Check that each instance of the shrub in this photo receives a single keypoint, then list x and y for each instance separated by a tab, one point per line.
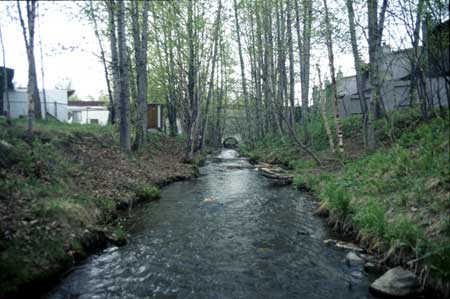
404	231
370	218
147	193
338	199
253	157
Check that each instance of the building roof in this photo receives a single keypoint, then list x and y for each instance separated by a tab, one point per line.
86	103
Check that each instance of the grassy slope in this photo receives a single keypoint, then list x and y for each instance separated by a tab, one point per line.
396	199
60	191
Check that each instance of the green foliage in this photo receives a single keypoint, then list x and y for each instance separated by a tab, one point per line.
253	157
145	193
370	218
338	199
405	232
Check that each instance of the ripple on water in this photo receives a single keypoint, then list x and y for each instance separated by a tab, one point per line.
251	241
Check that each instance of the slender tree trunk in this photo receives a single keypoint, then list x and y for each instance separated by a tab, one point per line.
357	62
291	65
323	110
241	60
111	117
191	115
171	85
211	79
337	117
5	83
140	38
44	94
305	63
34	107
125	135
373	73
112	7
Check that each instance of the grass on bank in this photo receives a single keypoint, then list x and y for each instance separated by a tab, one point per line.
46	218
397	198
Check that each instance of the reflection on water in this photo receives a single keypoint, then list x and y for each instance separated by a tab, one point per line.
227	234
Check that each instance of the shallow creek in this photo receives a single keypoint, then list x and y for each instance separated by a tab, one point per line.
227	234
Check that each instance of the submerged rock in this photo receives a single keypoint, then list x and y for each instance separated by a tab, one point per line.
354	260
397	282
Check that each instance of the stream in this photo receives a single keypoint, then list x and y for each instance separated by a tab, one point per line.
227	234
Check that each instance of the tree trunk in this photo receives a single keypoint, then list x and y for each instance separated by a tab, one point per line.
211	79
291	65
34	106
44	95
140	38
323	105
114	60
111	117
373	73
125	135
241	60
191	114
5	84
337	117
357	62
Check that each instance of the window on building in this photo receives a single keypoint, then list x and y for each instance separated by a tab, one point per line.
93	121
76	116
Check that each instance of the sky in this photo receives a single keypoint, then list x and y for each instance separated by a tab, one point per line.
69	48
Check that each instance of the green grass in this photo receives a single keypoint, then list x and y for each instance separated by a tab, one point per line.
397	196
145	193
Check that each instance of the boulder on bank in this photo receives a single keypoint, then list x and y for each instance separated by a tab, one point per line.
395	283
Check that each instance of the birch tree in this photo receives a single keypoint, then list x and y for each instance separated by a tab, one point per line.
329	42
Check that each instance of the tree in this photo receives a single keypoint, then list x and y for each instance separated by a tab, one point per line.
358	70
304	48
124	81
291	66
375	33
92	15
140	39
323	104
241	61
329	42
34	105
111	7
5	82
211	80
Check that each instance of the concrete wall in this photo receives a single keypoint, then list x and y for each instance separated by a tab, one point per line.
395	94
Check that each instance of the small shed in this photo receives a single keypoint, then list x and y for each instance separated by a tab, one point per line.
155	116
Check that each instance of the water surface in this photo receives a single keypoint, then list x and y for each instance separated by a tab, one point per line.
227	234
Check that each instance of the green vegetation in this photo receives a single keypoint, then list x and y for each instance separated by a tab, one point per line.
60	191
397	198
146	193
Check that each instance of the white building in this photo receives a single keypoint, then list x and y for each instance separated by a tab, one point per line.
88	112
56	103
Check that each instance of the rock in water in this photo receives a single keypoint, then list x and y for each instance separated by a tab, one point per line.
354	260
397	282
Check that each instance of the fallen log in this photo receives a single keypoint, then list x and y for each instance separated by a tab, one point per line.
278	174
